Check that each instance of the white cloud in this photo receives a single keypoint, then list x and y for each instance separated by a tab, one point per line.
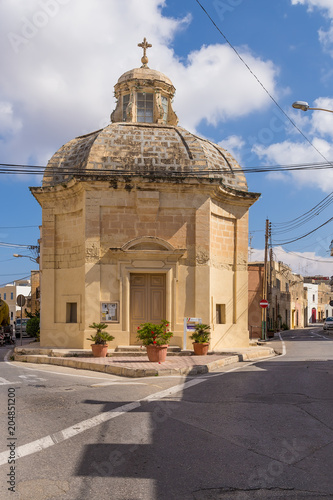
9	124
318	127
320	4
234	145
63	57
325	37
304	263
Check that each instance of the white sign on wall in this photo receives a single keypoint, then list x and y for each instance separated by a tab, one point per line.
189	327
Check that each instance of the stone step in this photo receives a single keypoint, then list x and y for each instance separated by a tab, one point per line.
138	348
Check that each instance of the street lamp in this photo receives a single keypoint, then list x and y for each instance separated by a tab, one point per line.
304	106
27	256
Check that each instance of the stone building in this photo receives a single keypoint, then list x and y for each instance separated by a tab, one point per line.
285	294
143	221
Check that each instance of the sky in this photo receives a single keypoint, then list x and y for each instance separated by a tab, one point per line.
237	69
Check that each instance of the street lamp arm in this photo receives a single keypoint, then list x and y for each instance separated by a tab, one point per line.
322	109
27	257
304	106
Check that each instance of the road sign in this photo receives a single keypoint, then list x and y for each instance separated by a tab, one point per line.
20	300
263	303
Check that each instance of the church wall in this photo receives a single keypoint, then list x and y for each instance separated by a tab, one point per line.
85	240
229	285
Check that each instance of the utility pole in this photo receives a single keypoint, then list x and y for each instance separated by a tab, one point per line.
264	285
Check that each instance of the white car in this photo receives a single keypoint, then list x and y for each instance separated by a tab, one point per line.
328	323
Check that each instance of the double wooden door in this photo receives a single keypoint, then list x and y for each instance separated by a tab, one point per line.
147	300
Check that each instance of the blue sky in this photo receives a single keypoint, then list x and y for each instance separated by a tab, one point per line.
61	58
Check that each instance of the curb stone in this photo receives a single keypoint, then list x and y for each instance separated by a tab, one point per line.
141	372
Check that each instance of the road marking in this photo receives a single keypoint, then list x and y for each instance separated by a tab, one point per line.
284	350
4	381
32	378
117	382
74	430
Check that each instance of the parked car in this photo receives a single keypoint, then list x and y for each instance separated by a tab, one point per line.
328	323
18	327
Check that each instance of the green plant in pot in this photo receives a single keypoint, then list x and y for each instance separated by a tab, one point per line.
100	340
201	337
155	338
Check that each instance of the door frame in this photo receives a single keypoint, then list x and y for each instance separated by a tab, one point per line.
170	291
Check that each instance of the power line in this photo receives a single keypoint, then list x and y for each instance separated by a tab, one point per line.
304	235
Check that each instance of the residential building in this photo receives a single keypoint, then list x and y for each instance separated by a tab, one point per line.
9	294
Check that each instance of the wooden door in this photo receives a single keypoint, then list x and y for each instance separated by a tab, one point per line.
147	301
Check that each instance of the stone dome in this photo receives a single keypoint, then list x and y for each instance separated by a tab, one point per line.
144	140
144	73
144	150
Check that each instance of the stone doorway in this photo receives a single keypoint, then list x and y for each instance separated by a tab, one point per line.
147	300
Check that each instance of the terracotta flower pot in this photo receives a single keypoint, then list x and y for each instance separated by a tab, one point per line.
157	353
99	350
200	349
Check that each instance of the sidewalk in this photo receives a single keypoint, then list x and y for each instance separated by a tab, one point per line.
137	364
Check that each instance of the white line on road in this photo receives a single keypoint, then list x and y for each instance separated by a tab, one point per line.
4	381
284	350
58	437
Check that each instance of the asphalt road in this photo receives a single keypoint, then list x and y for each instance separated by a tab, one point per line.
261	430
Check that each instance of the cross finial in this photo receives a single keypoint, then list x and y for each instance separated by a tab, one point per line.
145	45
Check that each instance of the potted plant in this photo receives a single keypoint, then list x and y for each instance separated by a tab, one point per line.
155	338
201	336
100	339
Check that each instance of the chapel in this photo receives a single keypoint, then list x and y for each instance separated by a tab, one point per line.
143	221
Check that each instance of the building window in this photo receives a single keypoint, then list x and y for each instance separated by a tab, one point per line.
278	284
313	298
4	296
11	295
145	106
11	315
220	314
71	312
126	98
165	105
287	287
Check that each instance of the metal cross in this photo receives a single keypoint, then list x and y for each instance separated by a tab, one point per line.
145	45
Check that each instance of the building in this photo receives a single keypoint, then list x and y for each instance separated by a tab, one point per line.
35	292
9	294
143	221
285	294
312	298
324	297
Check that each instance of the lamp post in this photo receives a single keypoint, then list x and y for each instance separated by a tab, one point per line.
304	106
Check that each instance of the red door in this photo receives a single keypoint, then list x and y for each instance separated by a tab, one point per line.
314	315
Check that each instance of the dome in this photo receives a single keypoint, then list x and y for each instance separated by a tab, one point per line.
143	150
144	74
144	140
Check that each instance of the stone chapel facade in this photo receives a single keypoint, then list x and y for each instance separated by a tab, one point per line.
143	221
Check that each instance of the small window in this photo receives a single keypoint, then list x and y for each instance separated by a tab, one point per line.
165	108
313	298
145	105
278	284
220	314
4	296
11	315
71	312
125	104
11	295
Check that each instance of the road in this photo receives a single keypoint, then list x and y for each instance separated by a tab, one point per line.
260	430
